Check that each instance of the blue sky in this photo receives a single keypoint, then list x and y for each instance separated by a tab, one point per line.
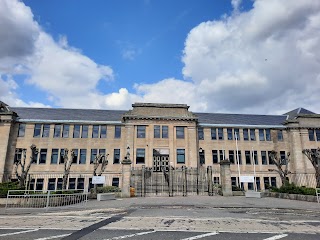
216	56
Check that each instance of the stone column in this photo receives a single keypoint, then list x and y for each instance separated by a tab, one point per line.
170	182
225	175
143	180
126	175
184	180
210	184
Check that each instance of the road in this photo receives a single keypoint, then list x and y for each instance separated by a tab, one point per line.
169	218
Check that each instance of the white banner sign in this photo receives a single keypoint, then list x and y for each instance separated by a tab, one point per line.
246	178
98	179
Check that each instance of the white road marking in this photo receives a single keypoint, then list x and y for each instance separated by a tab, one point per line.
15	233
53	237
201	236
277	237
130	235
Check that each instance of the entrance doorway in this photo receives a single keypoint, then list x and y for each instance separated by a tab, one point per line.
161	160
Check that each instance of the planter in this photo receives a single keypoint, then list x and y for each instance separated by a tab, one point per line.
299	197
238	193
254	194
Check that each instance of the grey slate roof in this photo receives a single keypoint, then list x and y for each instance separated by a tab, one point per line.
116	115
292	114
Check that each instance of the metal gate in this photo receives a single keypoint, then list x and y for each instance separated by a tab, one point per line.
173	181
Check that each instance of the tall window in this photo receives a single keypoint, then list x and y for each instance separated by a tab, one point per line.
103	131
72	183
57	131
156	131
222	154
54	156
230	135
311	135
115	182
280	136
61	156
75	156
83	156
80	183
252	134
18	155
220	133
180	132
248	157
273	181
318	134
268	134
65	133
264	158
95	131
283	157
245	134
181	157
37	130
165	132
84	133
215	158
46	130
239	156
76	131
202	157
51	184
255	155
43	156
269	157
236	133
116	156
22	128
117	131
39	184
102	151
200	133
261	135
231	156
213	134
140	159
93	155
141	131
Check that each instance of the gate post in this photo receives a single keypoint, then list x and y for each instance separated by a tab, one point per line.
225	175
143	180
184	181
210	185
126	175
170	182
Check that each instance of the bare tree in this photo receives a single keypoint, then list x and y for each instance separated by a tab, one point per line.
314	156
24	167
101	159
67	166
282	166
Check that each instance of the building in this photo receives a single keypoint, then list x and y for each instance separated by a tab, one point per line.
156	136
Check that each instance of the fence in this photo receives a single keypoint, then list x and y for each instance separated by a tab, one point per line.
48	199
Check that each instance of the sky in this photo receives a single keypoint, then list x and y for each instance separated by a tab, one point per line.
231	56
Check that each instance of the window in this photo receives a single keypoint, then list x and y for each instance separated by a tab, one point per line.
180	132
59	183
268	134
220	133
76	131
311	135
202	157
84	133
231	156
264	157
215	159
252	134
239	156
233	181
280	136
103	131
200	133
102	151
18	155
65	133
62	156
258	183
283	157
216	180
273	181
318	134
51	184
156	131
46	130
229	131
181	157
261	134
250	185
140	159
213	134
72	183
32	184
22	128
117	131
75	156
221	153
43	156
57	131
115	182
116	156
245	134
236	133
37	130
93	155
39	184
83	156
95	131
165	132
255	155
248	157
269	157
141	131
54	156
80	183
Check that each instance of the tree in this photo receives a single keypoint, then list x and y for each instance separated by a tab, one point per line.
282	166
67	167
314	156
24	167
100	159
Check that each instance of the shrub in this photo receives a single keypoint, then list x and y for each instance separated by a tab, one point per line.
291	188
6	186
236	188
106	189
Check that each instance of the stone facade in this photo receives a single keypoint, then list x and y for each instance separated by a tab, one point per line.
168	135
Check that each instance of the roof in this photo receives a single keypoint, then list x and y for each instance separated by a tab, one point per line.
294	113
92	115
240	119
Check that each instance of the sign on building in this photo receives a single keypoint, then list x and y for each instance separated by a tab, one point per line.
98	179
246	178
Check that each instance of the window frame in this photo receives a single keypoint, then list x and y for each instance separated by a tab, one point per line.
140	156
180	132
21	129
181	156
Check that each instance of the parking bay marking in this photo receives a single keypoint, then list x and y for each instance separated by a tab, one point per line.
277	237
201	236
15	233
130	235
